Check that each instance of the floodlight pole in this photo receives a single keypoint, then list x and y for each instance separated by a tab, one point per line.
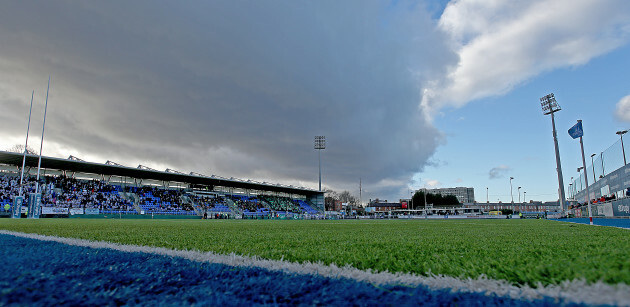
550	106
320	143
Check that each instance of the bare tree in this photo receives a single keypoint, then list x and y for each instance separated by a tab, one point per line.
20	149
344	197
329	199
347	197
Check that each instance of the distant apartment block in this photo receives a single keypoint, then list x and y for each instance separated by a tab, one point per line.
464	195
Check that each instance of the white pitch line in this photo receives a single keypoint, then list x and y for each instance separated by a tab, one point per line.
577	291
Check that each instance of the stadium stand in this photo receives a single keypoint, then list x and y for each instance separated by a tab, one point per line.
305	206
251	207
64	192
67	192
282	204
156	200
211	205
96	188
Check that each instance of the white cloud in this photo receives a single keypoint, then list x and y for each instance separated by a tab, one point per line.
504	43
432	183
623	109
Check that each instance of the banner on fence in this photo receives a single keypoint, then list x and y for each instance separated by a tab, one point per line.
621	207
74	211
605	210
16	209
54	210
91	211
34	205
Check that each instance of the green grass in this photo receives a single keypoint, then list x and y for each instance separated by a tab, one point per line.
520	251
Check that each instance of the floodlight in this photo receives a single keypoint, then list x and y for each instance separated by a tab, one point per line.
549	106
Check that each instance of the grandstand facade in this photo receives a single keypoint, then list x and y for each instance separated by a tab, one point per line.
72	186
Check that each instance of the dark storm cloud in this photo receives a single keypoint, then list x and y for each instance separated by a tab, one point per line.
235	88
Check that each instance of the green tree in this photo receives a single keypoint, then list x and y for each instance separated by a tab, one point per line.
436	199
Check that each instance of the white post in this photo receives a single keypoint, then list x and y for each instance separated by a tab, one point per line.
28	127
35	204
41	146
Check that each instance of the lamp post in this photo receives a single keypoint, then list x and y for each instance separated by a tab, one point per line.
550	106
623	151
426	213
519	194
593	164
425	199
511	194
601	157
579	170
487	196
570	190
320	143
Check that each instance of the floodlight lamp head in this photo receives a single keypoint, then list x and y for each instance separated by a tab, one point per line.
593	155
622	132
549	104
580	168
320	142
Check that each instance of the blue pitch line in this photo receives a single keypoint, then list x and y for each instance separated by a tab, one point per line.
621	223
37	273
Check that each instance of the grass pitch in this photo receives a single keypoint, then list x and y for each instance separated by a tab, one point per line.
519	251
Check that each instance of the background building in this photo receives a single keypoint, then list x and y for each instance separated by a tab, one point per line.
463	194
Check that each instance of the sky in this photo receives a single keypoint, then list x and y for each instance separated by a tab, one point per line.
409	94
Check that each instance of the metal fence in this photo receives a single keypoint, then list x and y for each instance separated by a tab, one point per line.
607	175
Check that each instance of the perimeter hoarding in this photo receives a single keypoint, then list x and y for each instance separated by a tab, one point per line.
34	205
16	210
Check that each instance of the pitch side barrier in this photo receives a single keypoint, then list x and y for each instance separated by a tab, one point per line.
616	182
618	208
